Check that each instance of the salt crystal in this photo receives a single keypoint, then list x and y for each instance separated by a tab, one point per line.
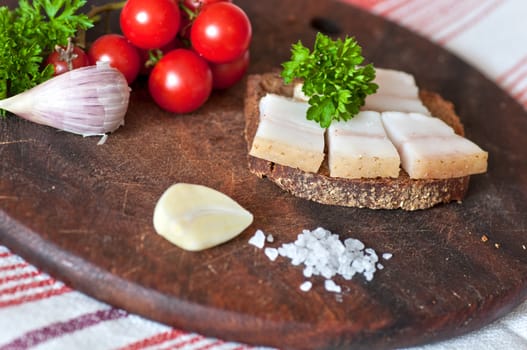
308	271
353	244
272	253
332	286
358	265
327	272
258	240
322	253
270	238
300	240
368	275
306	286
320	233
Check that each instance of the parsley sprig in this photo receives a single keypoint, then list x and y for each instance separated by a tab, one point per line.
333	78
29	33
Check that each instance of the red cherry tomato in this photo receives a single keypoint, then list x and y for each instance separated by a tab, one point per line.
147	64
79	59
225	75
221	32
119	53
195	5
150	24
181	81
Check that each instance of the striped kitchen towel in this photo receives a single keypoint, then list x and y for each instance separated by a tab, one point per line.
37	311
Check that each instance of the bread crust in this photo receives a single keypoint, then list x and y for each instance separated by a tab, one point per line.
373	193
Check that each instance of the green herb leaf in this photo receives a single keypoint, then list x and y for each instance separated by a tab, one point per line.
28	34
334	79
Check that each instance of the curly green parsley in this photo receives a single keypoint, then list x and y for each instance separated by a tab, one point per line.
334	79
29	33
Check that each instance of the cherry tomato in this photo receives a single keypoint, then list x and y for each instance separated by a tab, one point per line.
181	81
150	24
221	32
225	75
147	63
119	53
195	5
59	60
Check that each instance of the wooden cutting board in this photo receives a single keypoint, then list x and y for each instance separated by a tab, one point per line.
83	212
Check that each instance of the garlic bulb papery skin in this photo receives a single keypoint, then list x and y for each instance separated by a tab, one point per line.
87	101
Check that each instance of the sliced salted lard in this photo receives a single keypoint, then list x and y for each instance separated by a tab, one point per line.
286	137
430	149
385	103
360	148
396	83
397	92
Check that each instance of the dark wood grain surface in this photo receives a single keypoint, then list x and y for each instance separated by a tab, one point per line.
83	212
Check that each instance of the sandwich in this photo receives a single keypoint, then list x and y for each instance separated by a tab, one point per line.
403	149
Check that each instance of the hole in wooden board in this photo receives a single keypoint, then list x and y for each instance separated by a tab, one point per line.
325	26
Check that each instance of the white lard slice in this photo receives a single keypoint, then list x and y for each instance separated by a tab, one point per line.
385	103
360	148
430	149
397	92
298	94
284	135
396	83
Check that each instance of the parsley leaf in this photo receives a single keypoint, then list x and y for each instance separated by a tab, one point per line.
334	81
28	34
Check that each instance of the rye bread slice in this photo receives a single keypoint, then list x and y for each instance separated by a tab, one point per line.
374	193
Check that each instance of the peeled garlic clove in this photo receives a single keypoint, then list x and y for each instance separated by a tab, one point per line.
196	217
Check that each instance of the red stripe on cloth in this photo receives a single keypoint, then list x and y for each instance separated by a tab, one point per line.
511	85
58	329
193	340
449	17
421	15
406	11
521	95
365	4
214	343
503	76
518	77
6	254
27	286
211	345
34	297
393	7
243	347
19	277
484	12
13	267
154	340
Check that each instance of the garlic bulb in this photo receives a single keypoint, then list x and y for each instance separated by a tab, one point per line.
87	101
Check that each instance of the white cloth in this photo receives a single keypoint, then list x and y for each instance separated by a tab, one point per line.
39	312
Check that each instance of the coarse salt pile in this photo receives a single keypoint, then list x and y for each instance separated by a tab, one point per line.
323	254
